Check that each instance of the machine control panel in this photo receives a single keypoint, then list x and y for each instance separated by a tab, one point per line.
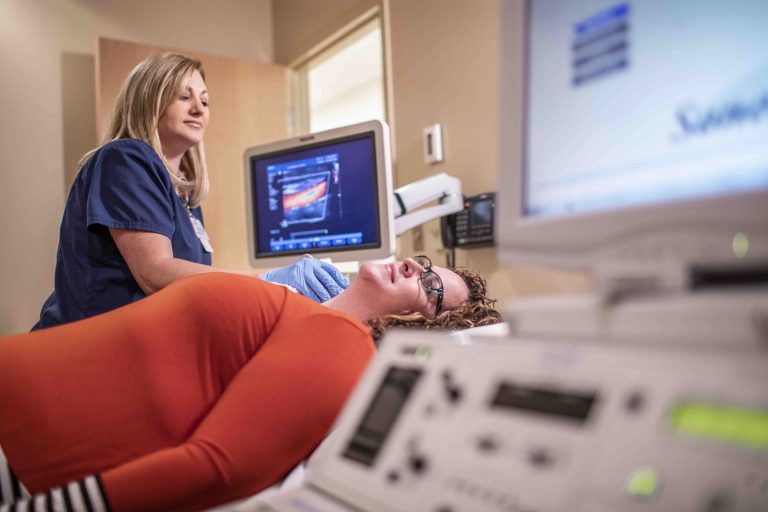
443	424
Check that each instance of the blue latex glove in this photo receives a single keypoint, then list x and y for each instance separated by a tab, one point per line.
312	278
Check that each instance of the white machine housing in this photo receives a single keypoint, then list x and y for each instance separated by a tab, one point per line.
656	242
411	198
614	430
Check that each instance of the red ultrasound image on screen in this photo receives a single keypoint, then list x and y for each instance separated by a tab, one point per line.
305	198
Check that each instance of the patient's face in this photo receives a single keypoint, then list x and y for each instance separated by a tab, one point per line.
395	288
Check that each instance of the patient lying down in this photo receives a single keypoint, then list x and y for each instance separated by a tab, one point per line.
205	392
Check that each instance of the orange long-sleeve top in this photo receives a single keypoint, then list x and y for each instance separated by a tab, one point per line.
203	393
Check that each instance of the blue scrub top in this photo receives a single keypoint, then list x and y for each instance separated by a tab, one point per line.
124	185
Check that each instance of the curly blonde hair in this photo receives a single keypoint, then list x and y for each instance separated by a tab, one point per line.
476	311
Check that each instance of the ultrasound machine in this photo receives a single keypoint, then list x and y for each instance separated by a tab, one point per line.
329	194
642	159
323	194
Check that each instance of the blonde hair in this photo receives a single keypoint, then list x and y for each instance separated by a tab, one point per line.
150	88
476	311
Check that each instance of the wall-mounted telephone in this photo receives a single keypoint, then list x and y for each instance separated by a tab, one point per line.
473	226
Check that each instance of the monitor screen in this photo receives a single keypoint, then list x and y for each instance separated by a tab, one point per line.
633	130
646	102
319	194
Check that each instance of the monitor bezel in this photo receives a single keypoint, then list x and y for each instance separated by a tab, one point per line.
691	232
385	225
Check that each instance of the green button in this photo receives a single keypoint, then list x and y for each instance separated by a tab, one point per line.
642	483
421	353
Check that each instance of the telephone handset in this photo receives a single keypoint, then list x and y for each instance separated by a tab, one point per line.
473	226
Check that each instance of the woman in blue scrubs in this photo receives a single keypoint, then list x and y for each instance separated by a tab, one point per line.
132	222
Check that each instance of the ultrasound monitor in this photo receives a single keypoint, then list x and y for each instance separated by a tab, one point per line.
326	194
644	134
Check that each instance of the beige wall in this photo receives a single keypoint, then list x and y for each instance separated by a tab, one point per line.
443	65
300	25
47	50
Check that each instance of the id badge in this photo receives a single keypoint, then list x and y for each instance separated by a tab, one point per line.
200	232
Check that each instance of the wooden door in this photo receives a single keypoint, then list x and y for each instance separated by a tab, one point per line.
250	104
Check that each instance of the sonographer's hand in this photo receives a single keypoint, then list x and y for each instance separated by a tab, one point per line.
318	280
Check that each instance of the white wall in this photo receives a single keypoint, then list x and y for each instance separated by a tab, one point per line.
47	114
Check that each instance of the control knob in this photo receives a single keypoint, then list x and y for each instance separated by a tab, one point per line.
417	463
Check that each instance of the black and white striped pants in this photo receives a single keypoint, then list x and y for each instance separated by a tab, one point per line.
86	495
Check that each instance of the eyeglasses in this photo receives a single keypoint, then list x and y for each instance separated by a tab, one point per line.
430	281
